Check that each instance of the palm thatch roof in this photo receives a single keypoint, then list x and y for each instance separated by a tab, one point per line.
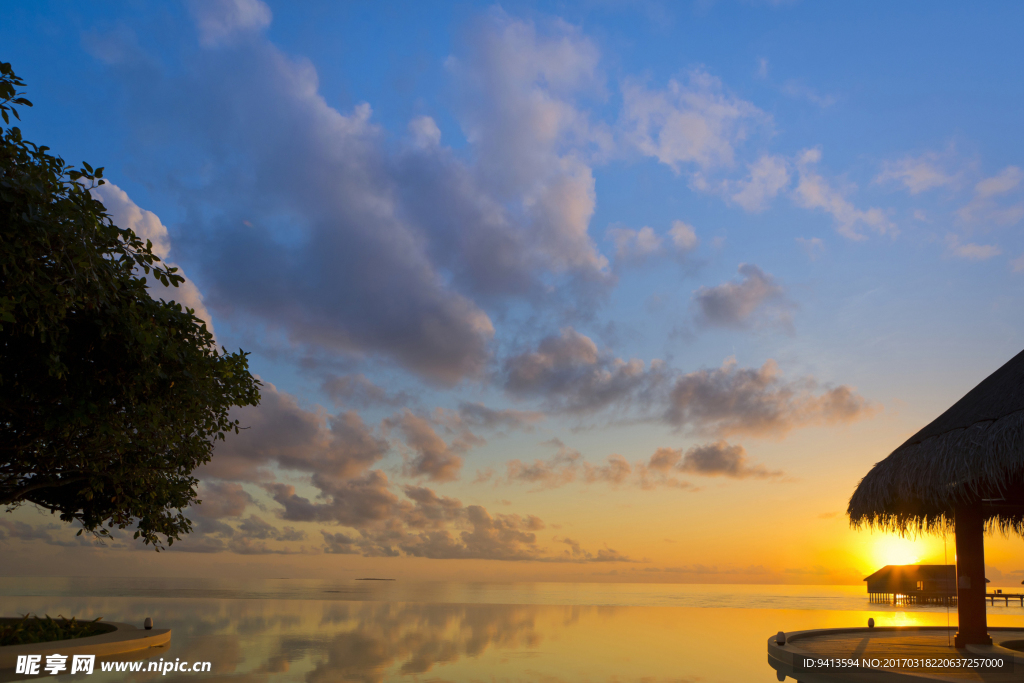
973	453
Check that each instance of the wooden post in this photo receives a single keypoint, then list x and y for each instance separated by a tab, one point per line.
970	576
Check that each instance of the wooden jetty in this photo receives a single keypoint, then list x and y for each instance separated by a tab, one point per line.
992	597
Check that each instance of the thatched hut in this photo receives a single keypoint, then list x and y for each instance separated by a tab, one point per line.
964	472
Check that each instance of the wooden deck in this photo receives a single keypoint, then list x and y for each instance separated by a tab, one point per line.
877	651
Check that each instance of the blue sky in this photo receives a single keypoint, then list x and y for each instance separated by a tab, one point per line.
509	254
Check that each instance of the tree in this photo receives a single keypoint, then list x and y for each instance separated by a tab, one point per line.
109	398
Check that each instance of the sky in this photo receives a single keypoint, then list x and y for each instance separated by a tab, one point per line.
569	291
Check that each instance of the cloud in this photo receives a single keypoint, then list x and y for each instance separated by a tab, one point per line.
339	544
479	415
757	402
734	304
572	376
634	247
491	537
802	92
985	206
615	472
316	203
355	503
813	246
221	21
814	192
127	214
721	459
434	458
519	88
970	251
694	122
222	499
768	176
279	432
916	174
576	553
358	391
558	470
256	528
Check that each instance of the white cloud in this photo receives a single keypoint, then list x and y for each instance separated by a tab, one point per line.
916	174
425	132
220	21
768	176
684	237
127	214
696	122
636	246
985	207
814	192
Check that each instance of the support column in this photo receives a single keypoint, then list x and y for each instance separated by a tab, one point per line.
970	576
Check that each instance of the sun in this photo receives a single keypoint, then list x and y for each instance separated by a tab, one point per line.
895	550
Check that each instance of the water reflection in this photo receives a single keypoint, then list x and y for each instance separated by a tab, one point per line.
273	641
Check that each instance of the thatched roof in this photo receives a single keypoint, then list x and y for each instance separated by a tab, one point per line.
972	453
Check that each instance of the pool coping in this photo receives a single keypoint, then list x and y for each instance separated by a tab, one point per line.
785	656
125	638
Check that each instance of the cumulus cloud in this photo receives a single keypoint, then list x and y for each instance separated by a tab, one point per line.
736	304
256	528
490	537
360	392
558	470
282	433
572	376
318	203
987	205
634	247
813	191
615	471
576	553
222	499
757	402
721	459
127	214
767	177
916	174
694	122
433	459
221	21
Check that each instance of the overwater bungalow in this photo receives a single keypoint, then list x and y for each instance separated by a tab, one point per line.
914	584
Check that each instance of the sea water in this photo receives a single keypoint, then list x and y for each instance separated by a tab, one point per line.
376	631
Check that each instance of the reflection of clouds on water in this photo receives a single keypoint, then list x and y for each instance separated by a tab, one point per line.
415	637
318	642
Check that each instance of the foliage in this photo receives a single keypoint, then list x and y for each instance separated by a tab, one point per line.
109	399
31	629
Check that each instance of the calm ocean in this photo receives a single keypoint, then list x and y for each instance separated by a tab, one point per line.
375	631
